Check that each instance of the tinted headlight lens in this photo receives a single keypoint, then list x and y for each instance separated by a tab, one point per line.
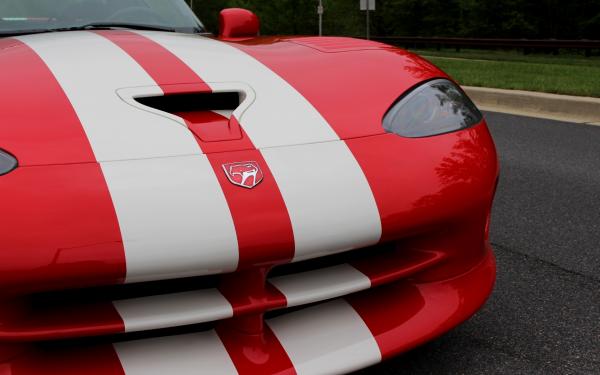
434	108
7	162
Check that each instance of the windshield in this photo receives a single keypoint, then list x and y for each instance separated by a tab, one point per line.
23	16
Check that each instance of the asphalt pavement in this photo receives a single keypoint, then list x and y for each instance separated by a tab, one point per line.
544	314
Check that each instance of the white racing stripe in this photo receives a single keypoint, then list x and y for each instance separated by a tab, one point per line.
172	310
201	353
321	284
90	69
328	197
225	113
279	116
329	200
175	221
326	339
173	216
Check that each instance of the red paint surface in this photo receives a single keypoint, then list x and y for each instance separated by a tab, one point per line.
37	122
235	145
97	360
209	126
400	316
68	320
403	315
251	344
351	90
388	266
261	219
62	226
157	62
262	223
212	147
256	354
236	23
59	227
418	183
59	230
346	80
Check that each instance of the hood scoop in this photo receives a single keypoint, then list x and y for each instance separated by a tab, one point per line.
208	115
213	117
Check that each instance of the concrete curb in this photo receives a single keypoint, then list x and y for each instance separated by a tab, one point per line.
534	104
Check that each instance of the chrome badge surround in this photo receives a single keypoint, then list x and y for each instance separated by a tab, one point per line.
246	174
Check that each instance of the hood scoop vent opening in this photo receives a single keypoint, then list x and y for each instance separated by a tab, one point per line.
207	115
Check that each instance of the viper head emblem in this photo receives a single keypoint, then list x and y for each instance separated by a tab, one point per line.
246	174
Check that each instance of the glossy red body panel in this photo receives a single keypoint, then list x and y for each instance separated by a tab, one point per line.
256	354
334	44
236	23
263	226
351	90
260	216
233	145
388	267
248	291
436	228
421	185
431	180
156	62
59	230
209	126
403	316
96	360
248	317
400	316
433	196
62	322
37	122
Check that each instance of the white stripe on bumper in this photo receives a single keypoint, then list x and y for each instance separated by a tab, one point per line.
172	310
201	353
319	285
326	339
207	305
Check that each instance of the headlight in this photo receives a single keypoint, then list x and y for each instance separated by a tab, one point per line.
7	163
436	107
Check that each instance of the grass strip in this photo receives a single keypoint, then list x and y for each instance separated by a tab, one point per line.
568	78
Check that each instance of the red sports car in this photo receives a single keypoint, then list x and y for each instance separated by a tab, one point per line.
177	203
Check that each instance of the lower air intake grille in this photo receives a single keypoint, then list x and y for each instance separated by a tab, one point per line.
166	304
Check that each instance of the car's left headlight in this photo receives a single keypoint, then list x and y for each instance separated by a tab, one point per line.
7	163
435	107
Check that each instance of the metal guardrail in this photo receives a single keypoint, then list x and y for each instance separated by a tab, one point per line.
526	44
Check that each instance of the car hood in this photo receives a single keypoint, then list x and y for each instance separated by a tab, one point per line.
64	92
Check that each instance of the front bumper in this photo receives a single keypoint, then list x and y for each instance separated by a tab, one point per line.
322	315
337	336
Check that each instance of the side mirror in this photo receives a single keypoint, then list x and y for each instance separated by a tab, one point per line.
237	23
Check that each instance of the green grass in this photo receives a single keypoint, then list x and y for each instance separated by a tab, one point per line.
514	55
569	75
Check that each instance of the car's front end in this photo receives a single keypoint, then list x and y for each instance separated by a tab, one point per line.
175	203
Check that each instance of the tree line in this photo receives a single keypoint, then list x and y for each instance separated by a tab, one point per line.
574	19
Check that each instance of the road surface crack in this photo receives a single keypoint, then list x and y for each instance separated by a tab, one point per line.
546	262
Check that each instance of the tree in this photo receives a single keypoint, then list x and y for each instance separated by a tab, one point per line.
461	18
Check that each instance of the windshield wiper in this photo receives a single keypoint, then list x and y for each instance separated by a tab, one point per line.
90	26
22	32
110	25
